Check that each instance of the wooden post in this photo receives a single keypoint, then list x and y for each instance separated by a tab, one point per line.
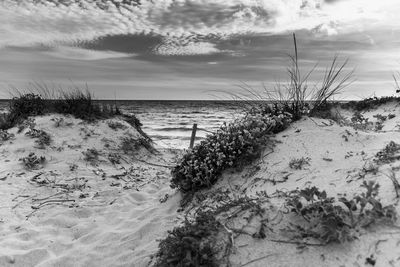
193	135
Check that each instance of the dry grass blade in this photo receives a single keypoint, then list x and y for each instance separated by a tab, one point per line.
334	81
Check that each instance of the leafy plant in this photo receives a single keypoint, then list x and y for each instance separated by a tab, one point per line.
4	135
43	139
369	103
389	154
32	161
91	155
115	125
192	244
238	142
131	145
73	101
298	164
328	221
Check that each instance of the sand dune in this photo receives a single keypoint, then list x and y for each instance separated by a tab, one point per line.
71	211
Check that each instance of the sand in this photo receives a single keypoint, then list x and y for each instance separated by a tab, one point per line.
74	212
338	154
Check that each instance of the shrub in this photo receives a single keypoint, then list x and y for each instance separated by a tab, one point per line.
91	155
4	135
32	161
114	158
330	222
298	164
389	154
115	125
43	139
369	103
192	244
131	145
238	142
73	101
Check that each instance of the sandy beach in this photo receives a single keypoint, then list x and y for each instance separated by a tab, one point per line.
94	202
78	208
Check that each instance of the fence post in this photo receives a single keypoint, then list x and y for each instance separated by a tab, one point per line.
193	135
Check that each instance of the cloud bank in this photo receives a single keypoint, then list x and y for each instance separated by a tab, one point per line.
186	26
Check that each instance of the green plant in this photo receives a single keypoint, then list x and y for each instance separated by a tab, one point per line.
388	154
115	125
43	139
114	158
328	221
131	145
4	135
235	143
298	164
192	244
91	155
380	117
41	100
369	103
27	123
32	161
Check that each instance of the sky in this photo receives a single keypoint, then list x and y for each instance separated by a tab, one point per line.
194	49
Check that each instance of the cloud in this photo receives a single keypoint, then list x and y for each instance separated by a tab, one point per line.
77	53
186	23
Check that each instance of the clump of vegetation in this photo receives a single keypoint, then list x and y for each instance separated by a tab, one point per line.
380	117
389	154
28	123
43	139
32	161
5	136
369	103
22	107
58	122
192	244
238	142
131	145
114	158
329	221
242	140
91	155
115	125
73	101
298	164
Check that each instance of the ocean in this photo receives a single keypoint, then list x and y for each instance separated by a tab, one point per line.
169	123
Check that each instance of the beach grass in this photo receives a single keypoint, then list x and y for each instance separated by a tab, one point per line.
40	100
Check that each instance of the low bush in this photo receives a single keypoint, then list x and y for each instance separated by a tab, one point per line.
75	102
32	161
43	139
131	145
298	164
4	135
91	155
390	153
329	221
234	143
192	244
115	125
369	103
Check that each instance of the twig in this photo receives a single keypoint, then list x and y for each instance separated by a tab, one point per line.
297	242
261	258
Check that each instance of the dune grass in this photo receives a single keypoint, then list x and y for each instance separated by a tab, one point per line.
40	100
243	140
